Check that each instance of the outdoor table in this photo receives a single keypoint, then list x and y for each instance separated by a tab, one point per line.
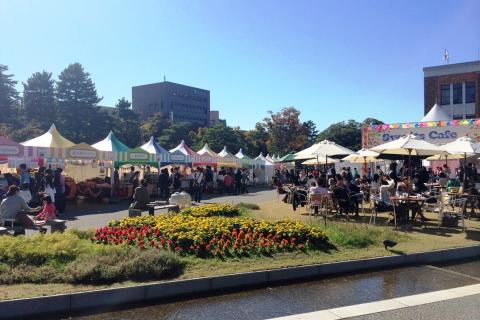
412	202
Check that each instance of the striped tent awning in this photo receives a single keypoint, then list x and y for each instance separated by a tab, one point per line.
135	156
50	145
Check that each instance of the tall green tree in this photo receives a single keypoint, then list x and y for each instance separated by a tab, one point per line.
39	99
286	132
8	96
78	115
345	133
128	128
217	137
311	131
257	140
177	132
154	126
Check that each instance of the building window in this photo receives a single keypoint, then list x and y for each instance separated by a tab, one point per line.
457	93
445	94
470	92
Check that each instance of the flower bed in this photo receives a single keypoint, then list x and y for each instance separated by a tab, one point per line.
213	236
212	210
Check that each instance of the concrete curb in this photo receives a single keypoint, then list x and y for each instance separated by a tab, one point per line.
107	298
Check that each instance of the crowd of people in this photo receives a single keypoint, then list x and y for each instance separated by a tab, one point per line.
198	182
348	186
23	194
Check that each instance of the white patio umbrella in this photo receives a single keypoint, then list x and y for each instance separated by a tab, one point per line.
312	162
409	145
362	156
463	145
324	149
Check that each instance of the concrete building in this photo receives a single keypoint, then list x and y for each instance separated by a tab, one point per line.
455	88
215	119
179	102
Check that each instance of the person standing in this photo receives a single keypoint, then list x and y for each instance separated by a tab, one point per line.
59	184
238	182
116	184
245	181
198	181
163	184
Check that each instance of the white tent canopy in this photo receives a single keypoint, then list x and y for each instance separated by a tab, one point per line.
225	154
206	150
435	114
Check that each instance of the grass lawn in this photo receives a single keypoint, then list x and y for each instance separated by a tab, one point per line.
352	241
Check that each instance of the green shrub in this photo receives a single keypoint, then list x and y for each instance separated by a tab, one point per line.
31	274
248	206
41	249
353	235
124	264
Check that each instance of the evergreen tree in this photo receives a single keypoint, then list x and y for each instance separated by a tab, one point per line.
78	116
39	99
8	96
129	124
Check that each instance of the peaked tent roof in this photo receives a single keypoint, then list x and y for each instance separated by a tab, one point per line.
263	160
50	139
435	114
206	150
240	155
225	154
184	148
111	143
152	146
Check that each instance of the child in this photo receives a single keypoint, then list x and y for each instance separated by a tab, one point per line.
48	213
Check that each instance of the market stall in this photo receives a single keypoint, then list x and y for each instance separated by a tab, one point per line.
162	155
207	157
51	147
82	162
264	170
119	150
228	160
12	154
184	156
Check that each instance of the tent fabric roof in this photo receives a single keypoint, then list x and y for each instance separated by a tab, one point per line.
240	155
185	149
50	139
435	114
111	143
206	150
10	148
153	147
225	154
287	158
263	160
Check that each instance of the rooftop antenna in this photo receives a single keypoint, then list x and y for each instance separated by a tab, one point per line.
164	79
445	56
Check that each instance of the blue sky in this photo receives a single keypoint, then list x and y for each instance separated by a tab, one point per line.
333	60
